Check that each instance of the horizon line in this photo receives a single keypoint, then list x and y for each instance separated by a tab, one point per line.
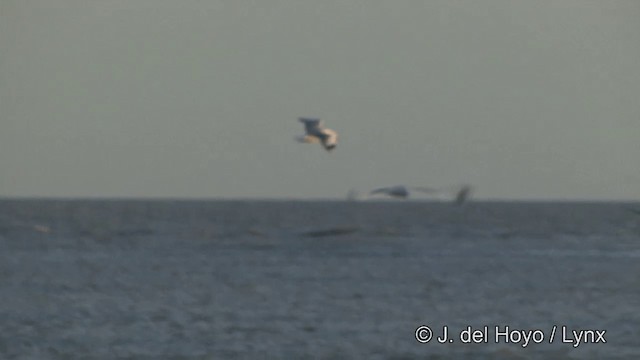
301	199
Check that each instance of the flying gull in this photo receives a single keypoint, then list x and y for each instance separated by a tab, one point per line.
317	133
460	194
398	191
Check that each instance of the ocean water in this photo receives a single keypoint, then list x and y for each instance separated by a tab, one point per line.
120	279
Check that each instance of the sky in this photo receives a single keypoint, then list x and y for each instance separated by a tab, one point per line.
161	98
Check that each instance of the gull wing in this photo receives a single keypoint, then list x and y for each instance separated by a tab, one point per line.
462	195
312	126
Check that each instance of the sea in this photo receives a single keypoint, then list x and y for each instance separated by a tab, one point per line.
292	279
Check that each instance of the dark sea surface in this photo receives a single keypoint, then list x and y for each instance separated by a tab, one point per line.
124	279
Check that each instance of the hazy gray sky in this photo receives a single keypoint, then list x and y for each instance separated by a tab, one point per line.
523	99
